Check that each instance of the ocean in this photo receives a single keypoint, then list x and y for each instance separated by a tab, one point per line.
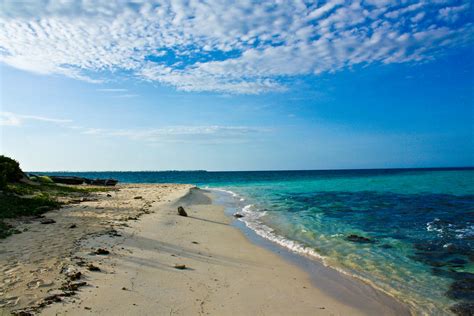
407	232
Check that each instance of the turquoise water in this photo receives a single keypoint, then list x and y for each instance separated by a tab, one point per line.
419	223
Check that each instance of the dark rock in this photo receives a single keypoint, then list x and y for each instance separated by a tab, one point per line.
182	212
92	267
114	233
68	180
238	215
462	289
463	309
22	313
47	221
53	298
195	242
124	289
102	251
106	182
72	226
73	286
109	195
357	238
73	276
180	266
138	198
458	261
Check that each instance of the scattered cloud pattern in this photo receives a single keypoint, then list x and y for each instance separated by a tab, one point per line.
226	46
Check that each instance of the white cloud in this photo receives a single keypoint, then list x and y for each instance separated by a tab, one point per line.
12	119
211	134
224	46
452	14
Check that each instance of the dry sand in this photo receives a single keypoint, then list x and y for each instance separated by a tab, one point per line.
225	274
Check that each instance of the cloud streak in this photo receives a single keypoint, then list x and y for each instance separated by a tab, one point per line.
12	119
213	134
226	46
209	134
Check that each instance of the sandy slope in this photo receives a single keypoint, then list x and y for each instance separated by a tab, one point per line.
225	274
31	263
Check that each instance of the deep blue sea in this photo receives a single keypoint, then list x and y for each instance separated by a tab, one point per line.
419	223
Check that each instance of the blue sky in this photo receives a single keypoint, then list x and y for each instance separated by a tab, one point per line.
237	86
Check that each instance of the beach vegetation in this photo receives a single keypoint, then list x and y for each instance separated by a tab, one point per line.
10	171
23	196
44	179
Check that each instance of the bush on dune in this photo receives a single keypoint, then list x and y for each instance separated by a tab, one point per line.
9	171
20	196
44	179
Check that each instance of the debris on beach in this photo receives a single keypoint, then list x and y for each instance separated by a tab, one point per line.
182	212
72	273
238	215
92	267
138	197
180	266
102	251
73	286
47	221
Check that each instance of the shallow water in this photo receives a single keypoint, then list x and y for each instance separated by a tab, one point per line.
420	223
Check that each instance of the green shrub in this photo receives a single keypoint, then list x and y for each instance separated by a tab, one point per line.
13	206
44	179
9	171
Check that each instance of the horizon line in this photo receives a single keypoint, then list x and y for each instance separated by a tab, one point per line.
268	170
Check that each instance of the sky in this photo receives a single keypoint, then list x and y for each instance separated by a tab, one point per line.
236	85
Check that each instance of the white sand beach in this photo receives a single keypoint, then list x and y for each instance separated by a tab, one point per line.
224	274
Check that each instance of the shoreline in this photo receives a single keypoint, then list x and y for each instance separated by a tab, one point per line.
335	280
226	271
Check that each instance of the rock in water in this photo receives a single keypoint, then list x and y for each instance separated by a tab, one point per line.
182	212
238	215
463	309
356	238
462	289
